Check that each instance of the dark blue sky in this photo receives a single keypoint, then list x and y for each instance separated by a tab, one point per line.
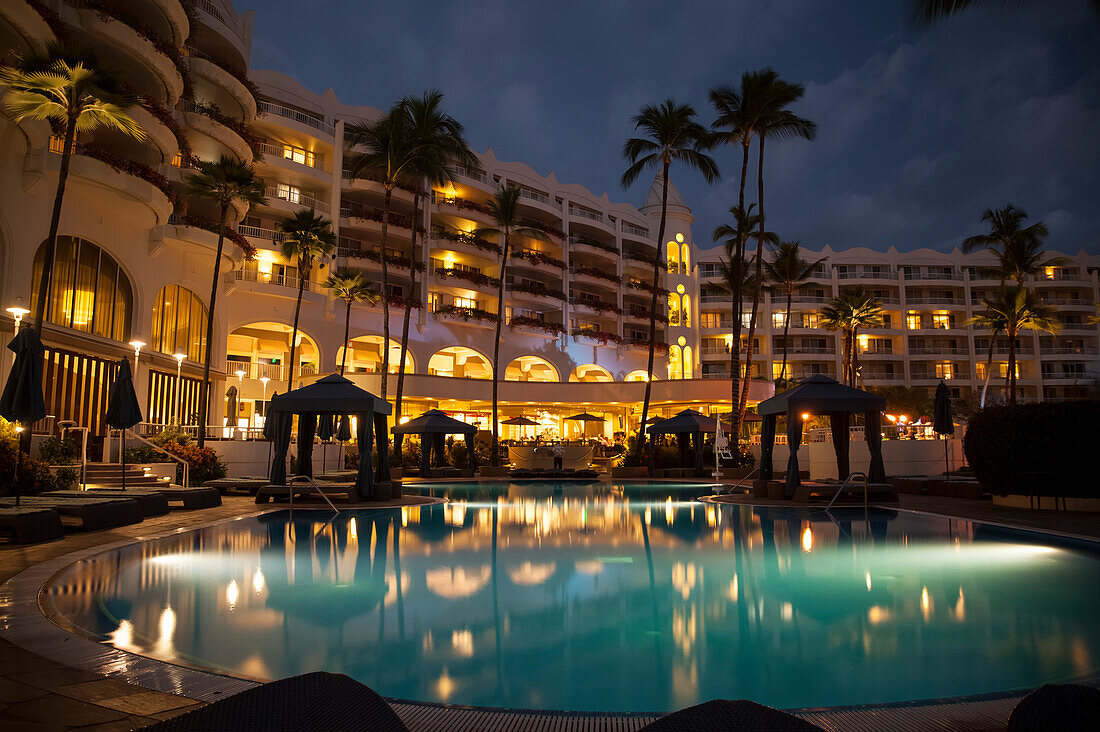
919	129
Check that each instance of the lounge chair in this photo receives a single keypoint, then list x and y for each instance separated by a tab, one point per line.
192	497
152	502
308	703
305	489
31	525
90	513
722	715
1057	708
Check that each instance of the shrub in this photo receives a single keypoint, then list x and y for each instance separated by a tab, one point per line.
24	476
1035	449
203	463
57	451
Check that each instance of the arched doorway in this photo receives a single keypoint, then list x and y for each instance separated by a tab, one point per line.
591	373
365	356
460	362
530	368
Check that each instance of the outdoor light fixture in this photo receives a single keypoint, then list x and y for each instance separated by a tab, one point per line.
240	375
805	416
179	380
17	312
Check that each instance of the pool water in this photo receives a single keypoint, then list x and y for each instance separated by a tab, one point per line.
604	597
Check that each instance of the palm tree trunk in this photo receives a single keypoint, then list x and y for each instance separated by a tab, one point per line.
303	273
848	341
758	289
735	347
55	221
786	329
494	458
204	387
347	325
988	370
405	321
1012	369
854	368
653	309
386	296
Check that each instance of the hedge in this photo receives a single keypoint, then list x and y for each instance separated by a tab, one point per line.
1043	449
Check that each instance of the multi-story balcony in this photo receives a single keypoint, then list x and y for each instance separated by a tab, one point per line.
284	284
844	272
594	247
310	123
296	159
270	371
927	300
294	200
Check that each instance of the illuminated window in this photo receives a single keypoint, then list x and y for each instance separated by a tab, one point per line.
687	362
710	320
179	323
811	320
778	318
912	321
687	311
288	192
300	156
673	309
465	302
777	370
941	320
945	371
88	290
684	254
675	362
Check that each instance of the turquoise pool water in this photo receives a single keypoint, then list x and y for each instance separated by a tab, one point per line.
614	598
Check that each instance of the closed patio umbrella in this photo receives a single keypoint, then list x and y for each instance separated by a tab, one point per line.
231	407
942	421
22	401
326	428
269	426
123	411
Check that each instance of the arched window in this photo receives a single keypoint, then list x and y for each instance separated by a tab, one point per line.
89	292
687	362
686	312
673	309
675	362
673	257
684	258
179	323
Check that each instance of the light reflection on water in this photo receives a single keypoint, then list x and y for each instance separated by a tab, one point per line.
605	598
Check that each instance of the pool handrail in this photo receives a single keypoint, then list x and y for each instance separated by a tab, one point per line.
844	485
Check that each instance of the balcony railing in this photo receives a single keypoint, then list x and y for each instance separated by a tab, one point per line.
278	109
300	199
232	22
256	232
272	371
275	280
934	301
1068	351
284	152
932	275
936	351
472	174
537	196
864	275
629	228
585	213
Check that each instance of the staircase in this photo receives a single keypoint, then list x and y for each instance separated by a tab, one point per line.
109	475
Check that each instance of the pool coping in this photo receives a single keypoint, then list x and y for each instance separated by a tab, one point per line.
25	624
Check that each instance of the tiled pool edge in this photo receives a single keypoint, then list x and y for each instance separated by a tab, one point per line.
24	624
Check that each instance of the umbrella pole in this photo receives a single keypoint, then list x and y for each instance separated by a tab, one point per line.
18	464
946	462
122	454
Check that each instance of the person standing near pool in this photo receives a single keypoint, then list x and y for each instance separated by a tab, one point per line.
559	455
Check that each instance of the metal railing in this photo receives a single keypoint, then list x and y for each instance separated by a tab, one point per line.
281	152
864	275
844	485
257	232
585	213
629	228
156	448
276	280
278	109
931	275
231	22
298	198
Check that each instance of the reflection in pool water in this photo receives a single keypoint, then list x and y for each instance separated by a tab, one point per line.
604	597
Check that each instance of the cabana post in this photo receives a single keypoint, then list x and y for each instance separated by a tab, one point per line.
433	426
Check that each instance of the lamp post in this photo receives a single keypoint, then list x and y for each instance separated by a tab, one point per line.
179	384
240	382
264	380
17	312
137	344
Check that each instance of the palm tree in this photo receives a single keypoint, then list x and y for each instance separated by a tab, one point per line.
349	285
788	271
1011	310
438	138
733	238
391	151
306	238
852	309
72	90
776	121
504	211
736	277
670	132
224	182
1017	247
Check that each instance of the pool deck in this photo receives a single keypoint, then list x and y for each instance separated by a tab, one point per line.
38	693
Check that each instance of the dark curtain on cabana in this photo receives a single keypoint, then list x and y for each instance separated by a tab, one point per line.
838	423
767	446
307	428
872	430
794	439
280	430
365	436
470	451
381	431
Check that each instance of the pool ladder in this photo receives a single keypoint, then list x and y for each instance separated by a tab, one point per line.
845	484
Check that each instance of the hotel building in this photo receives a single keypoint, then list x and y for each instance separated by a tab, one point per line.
136	252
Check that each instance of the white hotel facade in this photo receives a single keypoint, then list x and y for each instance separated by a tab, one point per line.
135	256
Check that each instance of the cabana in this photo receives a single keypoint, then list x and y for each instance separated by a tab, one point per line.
332	395
437	425
822	395
689	426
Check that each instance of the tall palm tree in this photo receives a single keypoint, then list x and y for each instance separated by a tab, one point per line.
391	152
776	121
224	182
439	140
504	211
852	309
349	285
788	272
736	276
72	90
1011	310
669	132
1016	246
307	237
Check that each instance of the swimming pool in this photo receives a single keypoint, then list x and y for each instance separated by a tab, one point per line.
603	597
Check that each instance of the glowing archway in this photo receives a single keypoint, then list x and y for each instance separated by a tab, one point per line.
263	349
365	356
638	375
591	373
530	368
460	362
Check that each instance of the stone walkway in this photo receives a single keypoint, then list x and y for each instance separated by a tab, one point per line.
39	695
